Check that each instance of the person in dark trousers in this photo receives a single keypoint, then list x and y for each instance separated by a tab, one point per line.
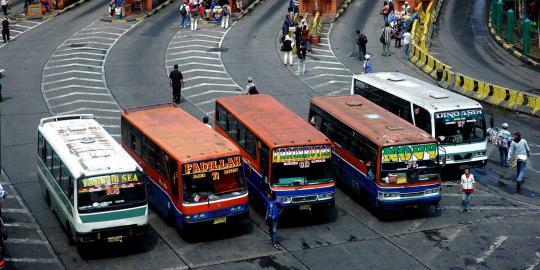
520	152
176	81
205	121
5	29
5	6
301	51
361	41
1	81
273	211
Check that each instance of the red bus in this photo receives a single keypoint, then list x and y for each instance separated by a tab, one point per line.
194	174
283	154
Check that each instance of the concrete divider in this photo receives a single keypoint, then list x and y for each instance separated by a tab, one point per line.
483	91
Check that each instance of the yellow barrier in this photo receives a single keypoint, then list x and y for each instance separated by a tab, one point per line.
429	66
414	54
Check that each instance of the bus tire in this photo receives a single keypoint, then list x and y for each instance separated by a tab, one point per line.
48	198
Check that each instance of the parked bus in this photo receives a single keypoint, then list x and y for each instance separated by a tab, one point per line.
195	175
377	154
456	121
284	156
95	188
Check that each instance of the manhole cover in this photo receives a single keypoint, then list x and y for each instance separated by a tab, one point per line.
218	49
76	45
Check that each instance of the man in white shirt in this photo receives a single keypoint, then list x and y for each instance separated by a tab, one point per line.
4	4
406	43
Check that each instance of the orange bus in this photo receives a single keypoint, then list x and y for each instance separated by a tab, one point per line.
194	174
283	155
378	154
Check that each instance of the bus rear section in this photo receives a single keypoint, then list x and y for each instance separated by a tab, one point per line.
284	156
378	155
195	175
96	189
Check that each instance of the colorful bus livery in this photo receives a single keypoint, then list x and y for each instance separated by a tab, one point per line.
195	175
96	189
284	156
377	154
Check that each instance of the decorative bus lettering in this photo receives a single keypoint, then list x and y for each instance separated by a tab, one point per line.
400	153
108	180
301	153
454	115
202	167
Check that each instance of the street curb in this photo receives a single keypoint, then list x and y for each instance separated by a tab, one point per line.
510	47
142	17
249	9
49	16
341	10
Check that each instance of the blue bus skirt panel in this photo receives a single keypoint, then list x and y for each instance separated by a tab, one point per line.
358	182
166	208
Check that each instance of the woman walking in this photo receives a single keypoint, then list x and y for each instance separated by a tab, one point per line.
467	188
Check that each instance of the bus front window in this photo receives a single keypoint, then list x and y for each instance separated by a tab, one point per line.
462	126
200	184
405	164
110	192
301	173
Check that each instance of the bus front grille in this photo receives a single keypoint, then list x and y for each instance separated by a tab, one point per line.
301	199
412	194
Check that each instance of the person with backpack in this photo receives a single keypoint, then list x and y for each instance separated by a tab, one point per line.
184	14
251	87
306	37
273	212
196	11
225	15
361	41
287	48
504	139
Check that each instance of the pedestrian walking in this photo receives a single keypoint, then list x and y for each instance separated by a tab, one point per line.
390	6
4	4
306	38
251	88
196	12
385	39
504	139
385	12
405	9
205	122
225	16
5	29
273	211
361	41
519	152
286	25
176	81
467	189
1	81
397	33
301	52
287	48
184	14
367	64
406	44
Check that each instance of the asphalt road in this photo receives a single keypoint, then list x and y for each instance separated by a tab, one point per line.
347	237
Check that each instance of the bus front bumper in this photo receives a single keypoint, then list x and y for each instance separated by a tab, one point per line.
396	203
111	235
227	215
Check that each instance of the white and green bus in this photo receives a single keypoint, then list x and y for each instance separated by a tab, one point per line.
95	188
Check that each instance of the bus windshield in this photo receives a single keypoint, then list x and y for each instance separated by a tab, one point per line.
111	192
304	165
212	179
406	164
460	126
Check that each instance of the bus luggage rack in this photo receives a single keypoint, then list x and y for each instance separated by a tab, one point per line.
301	199
65	117
148	106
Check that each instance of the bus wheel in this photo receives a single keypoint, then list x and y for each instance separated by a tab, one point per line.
380	213
48	198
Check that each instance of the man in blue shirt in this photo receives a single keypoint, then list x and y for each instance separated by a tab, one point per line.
273	211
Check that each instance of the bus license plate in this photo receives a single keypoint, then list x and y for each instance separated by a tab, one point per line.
114	239
305	207
220	220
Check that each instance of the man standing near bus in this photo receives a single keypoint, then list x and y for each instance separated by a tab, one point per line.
272	217
519	151
176	80
503	142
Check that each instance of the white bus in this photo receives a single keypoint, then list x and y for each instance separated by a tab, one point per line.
456	121
95	188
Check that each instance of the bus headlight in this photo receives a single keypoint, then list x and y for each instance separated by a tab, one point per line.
284	199
432	191
237	208
325	196
479	154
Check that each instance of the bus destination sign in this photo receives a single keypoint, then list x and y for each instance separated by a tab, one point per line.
405	153
301	153
108	180
211	165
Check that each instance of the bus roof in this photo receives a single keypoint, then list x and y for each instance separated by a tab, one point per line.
273	123
426	95
84	146
179	134
373	122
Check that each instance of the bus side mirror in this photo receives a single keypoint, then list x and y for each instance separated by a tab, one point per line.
266	179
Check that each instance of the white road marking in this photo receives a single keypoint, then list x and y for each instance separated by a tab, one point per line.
331	82
20	25
328	75
91	109
346	90
83	101
88	42
192	57
78	93
206	78
207	84
83	48
73	86
24	241
202	35
498	242
97	32
329	68
72	71
14	210
31	260
204	70
84	38
455	207
22	225
192	41
535	263
72	65
193	51
200	64
322	50
71	79
323	62
75	59
215	91
76	53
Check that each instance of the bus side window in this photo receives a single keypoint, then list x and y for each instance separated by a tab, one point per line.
135	139
263	154
221	117
65	181
251	147
241	135
422	118
48	156
71	187
56	164
327	129
148	153
173	169
315	120
40	146
231	126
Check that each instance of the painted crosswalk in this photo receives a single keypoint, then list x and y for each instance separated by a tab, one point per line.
325	73
26	245
18	28
198	55
73	80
